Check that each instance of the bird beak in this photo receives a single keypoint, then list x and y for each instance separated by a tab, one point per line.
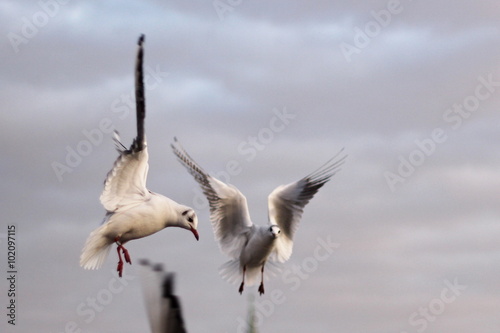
195	233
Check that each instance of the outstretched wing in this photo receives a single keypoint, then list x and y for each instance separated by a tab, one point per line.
286	204
125	183
228	207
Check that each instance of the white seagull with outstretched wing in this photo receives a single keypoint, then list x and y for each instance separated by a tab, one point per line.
133	211
249	245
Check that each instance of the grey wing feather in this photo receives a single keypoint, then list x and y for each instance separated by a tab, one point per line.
286	203
162	305
125	183
228	207
140	99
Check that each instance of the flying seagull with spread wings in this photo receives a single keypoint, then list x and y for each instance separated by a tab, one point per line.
133	211
248	245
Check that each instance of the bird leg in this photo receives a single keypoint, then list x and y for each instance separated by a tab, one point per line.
125	254
119	269
242	282
261	287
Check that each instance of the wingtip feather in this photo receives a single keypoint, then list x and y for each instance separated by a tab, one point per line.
142	37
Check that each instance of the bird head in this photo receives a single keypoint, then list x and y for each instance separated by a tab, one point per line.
274	230
189	221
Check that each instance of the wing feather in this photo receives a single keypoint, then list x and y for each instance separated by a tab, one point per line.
125	183
286	203
162	305
228	206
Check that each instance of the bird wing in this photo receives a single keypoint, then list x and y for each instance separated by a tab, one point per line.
286	204
228	206
125	183
162	305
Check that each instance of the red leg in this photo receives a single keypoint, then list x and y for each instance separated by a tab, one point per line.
125	253
243	282
261	287
127	256
120	262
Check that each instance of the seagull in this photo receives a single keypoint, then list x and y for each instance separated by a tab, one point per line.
163	307
248	245
132	211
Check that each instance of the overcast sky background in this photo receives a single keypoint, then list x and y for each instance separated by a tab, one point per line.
385	90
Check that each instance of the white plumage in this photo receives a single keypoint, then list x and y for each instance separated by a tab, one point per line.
132	210
248	245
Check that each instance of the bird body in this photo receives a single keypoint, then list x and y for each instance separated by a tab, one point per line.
132	211
155	214
251	246
260	244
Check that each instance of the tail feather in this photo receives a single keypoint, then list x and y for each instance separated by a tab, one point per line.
232	272
96	249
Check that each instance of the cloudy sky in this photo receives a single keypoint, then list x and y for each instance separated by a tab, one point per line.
403	239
